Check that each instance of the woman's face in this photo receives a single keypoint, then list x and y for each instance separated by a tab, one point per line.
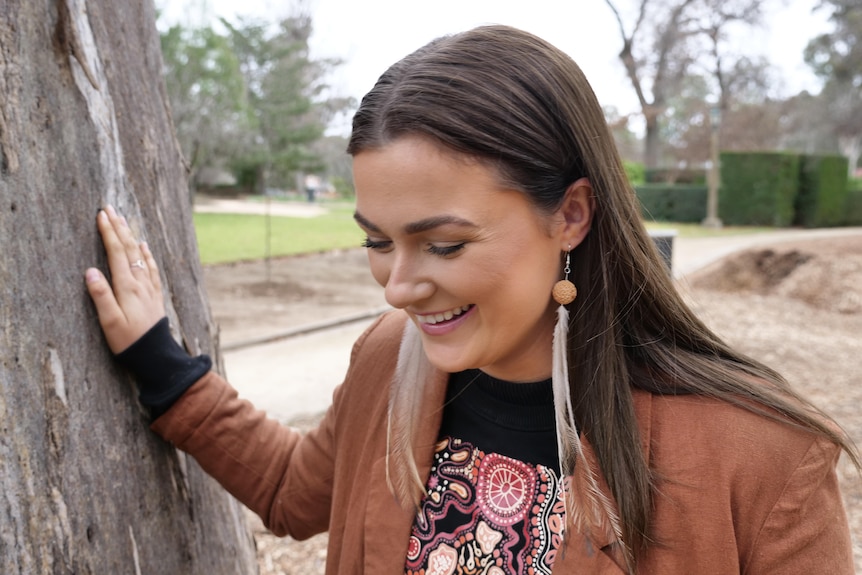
472	262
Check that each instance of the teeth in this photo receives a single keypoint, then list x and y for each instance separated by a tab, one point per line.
446	315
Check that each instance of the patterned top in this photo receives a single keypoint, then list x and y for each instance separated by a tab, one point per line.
493	504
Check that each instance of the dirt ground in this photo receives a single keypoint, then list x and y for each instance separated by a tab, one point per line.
796	307
254	299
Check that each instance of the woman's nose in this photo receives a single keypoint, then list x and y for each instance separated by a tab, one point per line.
407	284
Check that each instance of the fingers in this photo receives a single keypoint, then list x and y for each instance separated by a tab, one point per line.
124	233
134	303
109	311
122	248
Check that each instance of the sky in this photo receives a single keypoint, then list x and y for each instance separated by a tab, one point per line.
370	35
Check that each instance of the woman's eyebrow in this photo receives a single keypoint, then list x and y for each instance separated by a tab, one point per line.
362	221
419	226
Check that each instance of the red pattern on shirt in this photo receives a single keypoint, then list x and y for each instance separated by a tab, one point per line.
486	514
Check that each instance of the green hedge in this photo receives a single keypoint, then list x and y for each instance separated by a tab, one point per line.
672	203
822	195
635	172
853	208
696	177
758	188
763	189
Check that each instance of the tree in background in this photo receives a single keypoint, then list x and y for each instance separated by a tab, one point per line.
288	96
338	165
751	119
729	68
85	487
627	141
837	58
206	89
655	61
664	46
806	125
250	98
685	131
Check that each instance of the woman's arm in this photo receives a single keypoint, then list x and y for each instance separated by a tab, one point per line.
259	461
806	530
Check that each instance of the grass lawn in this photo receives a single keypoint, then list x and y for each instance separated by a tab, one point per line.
699	231
232	237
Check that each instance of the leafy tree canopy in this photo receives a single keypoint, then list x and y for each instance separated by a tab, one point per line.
248	96
837	57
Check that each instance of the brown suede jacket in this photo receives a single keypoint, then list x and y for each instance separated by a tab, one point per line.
739	493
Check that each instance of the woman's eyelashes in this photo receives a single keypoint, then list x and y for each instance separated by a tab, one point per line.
376	245
433	249
447	250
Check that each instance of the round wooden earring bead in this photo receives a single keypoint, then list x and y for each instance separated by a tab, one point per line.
564	292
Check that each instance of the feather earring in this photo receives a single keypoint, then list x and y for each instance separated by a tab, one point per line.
586	506
564	293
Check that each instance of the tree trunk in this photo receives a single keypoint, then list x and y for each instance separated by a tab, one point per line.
851	146
84	122
652	142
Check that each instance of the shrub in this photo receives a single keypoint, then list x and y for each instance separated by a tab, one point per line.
822	194
675	176
758	188
635	172
672	203
853	208
343	188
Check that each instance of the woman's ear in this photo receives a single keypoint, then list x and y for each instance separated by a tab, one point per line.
576	213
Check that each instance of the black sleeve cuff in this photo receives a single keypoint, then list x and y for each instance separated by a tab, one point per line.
162	367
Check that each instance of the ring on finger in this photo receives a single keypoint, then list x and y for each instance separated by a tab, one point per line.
139	264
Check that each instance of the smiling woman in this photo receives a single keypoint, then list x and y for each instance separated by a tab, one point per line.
487	425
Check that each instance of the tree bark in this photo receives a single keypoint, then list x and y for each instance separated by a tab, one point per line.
84	122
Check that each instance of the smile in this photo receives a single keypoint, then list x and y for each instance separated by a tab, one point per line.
443	316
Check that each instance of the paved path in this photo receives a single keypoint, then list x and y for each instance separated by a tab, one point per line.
212	205
296	376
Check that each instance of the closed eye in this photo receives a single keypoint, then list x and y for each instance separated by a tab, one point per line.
376	245
444	251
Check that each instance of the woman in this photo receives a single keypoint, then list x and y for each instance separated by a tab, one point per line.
610	432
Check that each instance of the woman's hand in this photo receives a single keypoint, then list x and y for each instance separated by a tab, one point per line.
135	303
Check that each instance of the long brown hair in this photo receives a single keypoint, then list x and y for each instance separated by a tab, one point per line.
519	104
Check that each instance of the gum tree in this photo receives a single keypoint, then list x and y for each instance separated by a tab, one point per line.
84	122
664	43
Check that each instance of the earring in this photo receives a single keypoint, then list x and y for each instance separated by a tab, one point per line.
585	503
568	441
564	291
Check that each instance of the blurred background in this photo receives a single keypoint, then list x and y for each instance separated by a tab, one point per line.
262	94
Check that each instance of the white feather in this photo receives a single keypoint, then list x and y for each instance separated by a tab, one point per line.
586	505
